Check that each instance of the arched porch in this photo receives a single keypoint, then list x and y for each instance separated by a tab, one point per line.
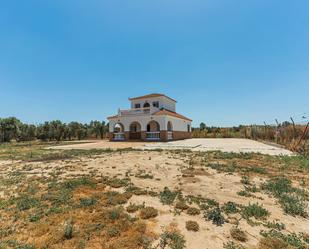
135	131
153	130
118	130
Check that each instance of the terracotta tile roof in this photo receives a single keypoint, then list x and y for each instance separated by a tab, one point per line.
116	116
152	95
170	113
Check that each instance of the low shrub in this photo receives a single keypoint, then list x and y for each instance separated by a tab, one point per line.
148	212
192	226
254	210
87	202
272	243
167	196
181	205
215	216
230	207
172	239
193	211
113	231
292	200
132	208
68	230
232	245
290	239
238	234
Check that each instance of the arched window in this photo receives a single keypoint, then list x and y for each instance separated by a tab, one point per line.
146	105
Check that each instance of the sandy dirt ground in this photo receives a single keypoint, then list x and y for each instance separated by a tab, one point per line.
195	144
167	170
100	144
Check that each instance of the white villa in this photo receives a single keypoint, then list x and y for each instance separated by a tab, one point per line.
152	117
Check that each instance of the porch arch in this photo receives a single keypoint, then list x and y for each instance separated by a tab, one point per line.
118	128
153	126
135	130
118	134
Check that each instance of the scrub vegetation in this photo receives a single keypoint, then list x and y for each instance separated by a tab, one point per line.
106	198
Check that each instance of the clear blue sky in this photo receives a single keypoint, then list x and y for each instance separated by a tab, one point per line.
227	62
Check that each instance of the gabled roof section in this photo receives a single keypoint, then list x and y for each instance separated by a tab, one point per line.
170	113
152	95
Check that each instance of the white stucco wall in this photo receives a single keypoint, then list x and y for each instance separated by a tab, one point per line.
164	102
177	123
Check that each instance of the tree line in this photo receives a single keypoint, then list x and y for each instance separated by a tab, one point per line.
12	128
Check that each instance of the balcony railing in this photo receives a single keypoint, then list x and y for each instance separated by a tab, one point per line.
169	135
119	136
153	135
134	111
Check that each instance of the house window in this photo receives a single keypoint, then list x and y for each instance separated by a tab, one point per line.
189	128
137	105
155	104
146	105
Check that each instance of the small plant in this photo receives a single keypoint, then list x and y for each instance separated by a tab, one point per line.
275	225
193	211
292	200
68	230
114	214
86	202
167	196
192	226
215	216
172	239
232	245
230	207
244	193
26	202
245	180
113	231
148	212
254	210
238	234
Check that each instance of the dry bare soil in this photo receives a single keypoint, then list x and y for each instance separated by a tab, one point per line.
128	198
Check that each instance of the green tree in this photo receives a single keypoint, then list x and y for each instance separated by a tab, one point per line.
9	129
202	126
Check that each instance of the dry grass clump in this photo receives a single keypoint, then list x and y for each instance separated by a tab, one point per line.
148	212
273	243
132	208
193	211
238	234
115	198
181	205
192	226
